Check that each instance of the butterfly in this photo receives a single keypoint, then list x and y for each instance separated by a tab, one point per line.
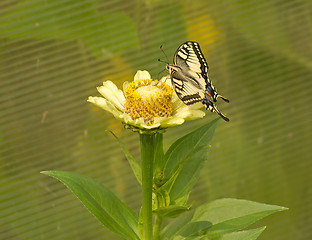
189	77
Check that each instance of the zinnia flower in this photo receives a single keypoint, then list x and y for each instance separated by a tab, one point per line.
145	104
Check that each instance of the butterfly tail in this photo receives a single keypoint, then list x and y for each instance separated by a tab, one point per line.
220	114
212	107
224	117
224	99
212	92
220	96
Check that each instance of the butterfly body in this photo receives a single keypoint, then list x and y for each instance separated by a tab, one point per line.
189	77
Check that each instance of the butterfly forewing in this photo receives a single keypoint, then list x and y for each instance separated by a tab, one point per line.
191	58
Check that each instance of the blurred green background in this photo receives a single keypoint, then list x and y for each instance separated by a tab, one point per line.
53	55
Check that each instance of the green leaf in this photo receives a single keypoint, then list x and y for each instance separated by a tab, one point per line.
218	217
184	160
171	211
136	168
190	238
101	202
172	229
182	200
229	215
182	149
252	234
188	175
160	198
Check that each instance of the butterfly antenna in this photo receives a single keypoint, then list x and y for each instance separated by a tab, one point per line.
161	48
159	60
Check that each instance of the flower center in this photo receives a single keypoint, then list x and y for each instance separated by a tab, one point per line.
148	99
148	91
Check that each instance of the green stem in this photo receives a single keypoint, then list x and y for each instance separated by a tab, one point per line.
157	227
147	157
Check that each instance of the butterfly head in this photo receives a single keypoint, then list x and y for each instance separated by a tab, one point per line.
169	68
172	69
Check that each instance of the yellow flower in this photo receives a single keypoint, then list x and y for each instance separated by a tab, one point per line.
145	104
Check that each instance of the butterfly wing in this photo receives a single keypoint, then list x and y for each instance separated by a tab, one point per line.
187	85
189	56
189	76
186	75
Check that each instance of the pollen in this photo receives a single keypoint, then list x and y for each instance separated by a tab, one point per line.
148	99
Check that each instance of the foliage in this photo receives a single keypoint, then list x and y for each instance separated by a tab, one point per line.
175	174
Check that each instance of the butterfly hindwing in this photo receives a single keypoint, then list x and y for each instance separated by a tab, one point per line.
187	89
189	76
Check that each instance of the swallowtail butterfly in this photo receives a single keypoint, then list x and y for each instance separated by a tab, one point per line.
189	77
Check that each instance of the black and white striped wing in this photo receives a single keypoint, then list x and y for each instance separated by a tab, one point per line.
189	76
189	73
187	86
189	57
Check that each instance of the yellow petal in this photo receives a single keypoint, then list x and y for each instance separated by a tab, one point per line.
112	94
141	75
106	105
